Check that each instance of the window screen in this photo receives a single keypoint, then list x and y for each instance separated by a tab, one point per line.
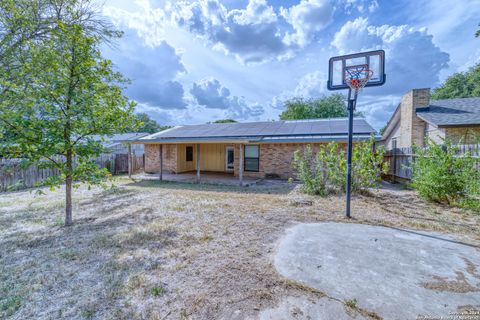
252	158
189	153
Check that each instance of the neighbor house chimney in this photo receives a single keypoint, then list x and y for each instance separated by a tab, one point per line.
412	127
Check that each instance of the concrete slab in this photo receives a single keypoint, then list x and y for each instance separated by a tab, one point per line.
398	274
307	309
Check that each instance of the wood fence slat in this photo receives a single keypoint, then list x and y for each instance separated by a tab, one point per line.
400	159
12	176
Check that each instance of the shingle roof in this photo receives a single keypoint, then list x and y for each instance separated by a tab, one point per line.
452	112
267	130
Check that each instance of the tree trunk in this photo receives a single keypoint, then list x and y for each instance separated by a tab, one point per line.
68	190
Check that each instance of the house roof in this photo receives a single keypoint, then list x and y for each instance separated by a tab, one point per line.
451	112
267	131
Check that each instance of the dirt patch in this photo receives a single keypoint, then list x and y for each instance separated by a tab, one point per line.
154	250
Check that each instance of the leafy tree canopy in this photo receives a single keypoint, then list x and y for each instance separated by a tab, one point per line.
325	107
57	91
225	121
146	124
460	85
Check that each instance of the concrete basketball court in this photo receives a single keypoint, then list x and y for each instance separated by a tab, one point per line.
396	273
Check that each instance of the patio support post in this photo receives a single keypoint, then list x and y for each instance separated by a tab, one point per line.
161	162
198	163
129	159
240	167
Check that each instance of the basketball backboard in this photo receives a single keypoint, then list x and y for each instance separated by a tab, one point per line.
373	61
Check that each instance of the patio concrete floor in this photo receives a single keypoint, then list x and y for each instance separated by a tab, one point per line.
220	178
396	273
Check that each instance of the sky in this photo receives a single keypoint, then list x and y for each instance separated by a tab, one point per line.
197	61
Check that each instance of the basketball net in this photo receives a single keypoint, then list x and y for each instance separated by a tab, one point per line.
356	77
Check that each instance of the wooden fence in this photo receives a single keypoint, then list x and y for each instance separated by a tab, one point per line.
14	176
401	159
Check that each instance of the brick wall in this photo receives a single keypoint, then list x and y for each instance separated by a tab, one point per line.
463	135
152	158
275	160
412	128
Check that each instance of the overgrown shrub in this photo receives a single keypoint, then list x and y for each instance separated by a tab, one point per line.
442	174
325	172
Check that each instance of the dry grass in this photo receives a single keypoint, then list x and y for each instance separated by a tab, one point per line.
154	250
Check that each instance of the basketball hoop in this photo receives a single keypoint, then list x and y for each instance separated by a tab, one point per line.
356	77
354	72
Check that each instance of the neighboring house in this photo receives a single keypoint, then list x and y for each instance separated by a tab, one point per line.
256	149
417	119
118	143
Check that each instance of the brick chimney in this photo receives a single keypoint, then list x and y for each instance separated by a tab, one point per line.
412	127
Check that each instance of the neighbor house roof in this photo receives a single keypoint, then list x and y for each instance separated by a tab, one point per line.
451	112
109	141
334	129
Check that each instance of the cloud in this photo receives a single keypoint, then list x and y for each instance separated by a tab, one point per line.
307	18
152	71
310	85
252	34
212	95
412	59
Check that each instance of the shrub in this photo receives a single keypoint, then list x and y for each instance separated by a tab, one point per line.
441	174
326	171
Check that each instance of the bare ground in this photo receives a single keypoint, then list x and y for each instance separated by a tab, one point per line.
153	250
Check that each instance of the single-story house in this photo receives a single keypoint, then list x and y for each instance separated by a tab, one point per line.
255	149
417	119
118	143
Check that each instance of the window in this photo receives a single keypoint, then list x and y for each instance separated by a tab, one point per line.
189	153
252	158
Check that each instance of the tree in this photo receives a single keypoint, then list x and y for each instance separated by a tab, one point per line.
147	124
477	34
326	107
225	121
61	92
460	85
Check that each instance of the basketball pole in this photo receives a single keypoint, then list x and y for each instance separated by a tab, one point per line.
352	101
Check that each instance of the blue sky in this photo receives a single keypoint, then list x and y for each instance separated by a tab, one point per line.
201	60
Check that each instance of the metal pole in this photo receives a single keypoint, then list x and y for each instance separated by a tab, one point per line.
351	108
198	163
240	166
161	162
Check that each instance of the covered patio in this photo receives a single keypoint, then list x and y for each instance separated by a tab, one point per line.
219	178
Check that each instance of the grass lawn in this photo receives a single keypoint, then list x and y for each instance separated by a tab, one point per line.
158	250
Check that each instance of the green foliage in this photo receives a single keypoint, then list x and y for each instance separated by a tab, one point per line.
225	121
477	34
158	291
460	85
60	92
326	107
441	174
325	172
146	124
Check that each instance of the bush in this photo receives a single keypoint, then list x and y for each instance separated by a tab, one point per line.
441	174
325	172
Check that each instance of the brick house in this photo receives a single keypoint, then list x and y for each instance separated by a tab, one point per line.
256	149
417	119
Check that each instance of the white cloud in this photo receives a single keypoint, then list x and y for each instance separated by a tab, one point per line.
152	70
251	34
412	59
212	95
308	18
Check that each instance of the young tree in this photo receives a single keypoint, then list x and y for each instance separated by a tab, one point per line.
460	85
326	107
61	93
477	34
